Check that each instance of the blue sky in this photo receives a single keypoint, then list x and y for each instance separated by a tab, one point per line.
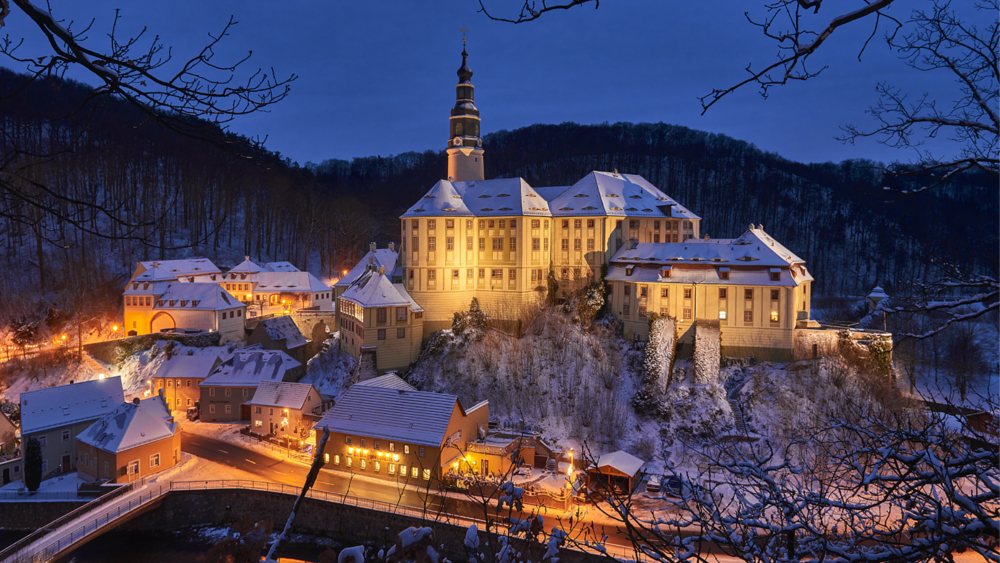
376	78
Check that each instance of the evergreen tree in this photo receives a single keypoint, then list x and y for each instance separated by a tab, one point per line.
33	464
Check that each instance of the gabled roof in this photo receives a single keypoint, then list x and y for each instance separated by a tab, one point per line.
621	461
177	367
280	267
247	266
282	394
68	404
549	193
153	274
139	287
197	297
485	198
130	426
415	417
750	257
249	368
377	290
179	268
623	195
373	259
283	327
289	282
388	381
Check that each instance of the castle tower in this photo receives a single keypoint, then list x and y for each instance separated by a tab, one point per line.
465	146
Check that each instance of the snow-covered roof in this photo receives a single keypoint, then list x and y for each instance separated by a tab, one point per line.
247	266
620	461
708	274
130	426
69	404
374	258
416	417
249	368
283	327
282	394
153	274
197	297
185	267
373	289
148	288
485	198
177	367
280	267
289	282
549	193
388	381
877	293
624	195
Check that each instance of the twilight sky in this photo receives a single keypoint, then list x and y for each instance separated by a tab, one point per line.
376	78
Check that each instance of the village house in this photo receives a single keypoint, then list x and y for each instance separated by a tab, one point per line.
277	283
55	416
227	389
375	258
134	440
8	434
280	333
756	289
379	322
178	377
385	429
284	410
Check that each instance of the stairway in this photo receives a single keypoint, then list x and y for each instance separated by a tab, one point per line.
733	386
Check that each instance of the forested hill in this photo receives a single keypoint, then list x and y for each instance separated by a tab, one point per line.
191	198
835	216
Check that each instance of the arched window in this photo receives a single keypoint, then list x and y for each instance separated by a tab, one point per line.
458	129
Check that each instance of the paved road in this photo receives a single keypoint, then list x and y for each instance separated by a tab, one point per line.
291	473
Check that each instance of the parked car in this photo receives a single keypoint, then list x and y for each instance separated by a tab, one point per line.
653	484
193	414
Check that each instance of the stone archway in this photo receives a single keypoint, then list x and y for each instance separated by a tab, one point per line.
161	321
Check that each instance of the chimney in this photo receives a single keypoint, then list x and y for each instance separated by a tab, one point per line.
392	246
381	270
162	393
371	246
371	259
706	237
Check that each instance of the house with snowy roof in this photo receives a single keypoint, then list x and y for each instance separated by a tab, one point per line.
277	283
758	291
375	258
56	415
396	433
285	410
179	377
280	333
227	389
154	302
134	440
379	322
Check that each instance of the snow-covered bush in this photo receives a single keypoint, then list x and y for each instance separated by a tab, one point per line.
591	302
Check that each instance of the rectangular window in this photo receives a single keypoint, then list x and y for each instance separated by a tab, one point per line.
416	244
687	293
577	244
774	316
723	275
43	440
154	460
431	243
400	333
663	311
664	292
498	244
565	223
380	314
427	474
431	274
402	471
392	446
632	224
415	223
431	224
775	293
628	290
626	308
468	274
229	392
496	274
377	445
565	273
748	316
642	310
392	469
258	423
687	313
775	276
406	449
468	224
449	243
577	223
211	409
468	243
363	442
723	293
513	223
565	244
656	225
482	243
643	291
534	223
414	472
350	462
545	244
577	274
590	244
378	466
747	294
482	273
482	224
590	223
336	459
347	440
229	409
513	244
381	334
65	435
534	275
512	274
449	223
454	274
536	244
491	223
400	313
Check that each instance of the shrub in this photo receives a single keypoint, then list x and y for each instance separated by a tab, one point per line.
33	464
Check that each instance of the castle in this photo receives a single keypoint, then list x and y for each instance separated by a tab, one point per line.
502	240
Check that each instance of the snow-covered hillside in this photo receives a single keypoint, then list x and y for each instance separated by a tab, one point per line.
329	371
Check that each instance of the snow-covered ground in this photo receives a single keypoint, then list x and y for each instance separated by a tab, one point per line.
329	371
65	483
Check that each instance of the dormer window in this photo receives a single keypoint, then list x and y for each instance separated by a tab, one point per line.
183	302
629	269
171	302
775	274
213	277
194	302
135	285
723	273
145	285
665	271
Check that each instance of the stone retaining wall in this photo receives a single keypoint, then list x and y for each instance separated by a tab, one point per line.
114	351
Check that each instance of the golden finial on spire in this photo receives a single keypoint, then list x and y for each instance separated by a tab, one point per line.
463	30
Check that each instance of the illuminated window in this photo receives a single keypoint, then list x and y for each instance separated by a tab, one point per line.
406	449
774	316
336	459
392	469
392	447
414	472
378	466
364	464
350	461
722	315
427	474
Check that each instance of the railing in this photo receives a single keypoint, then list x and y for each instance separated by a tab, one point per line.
68	517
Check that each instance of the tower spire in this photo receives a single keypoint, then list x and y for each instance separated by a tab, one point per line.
465	152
